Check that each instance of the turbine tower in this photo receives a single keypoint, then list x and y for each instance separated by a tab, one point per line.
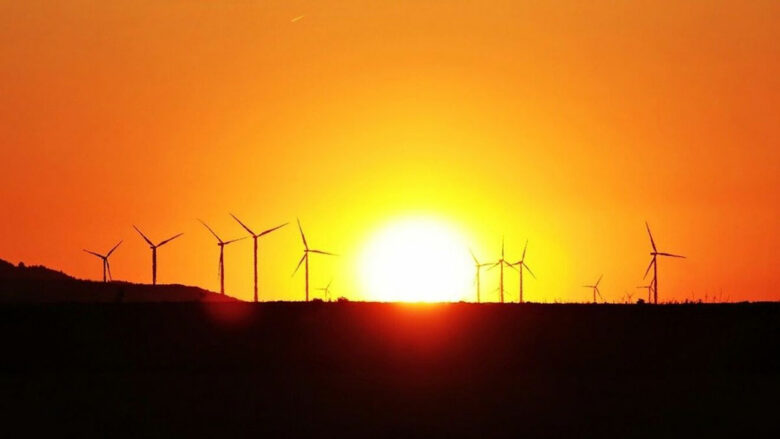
478	267
500	263
520	265
221	245
106	265
595	289
654	264
254	238
305	257
154	251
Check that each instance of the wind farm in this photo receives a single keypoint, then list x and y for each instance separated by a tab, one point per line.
401	219
520	266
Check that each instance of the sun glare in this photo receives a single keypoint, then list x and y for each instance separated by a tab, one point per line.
416	260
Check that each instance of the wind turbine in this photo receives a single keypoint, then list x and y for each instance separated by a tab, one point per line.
106	265
649	289
305	257
654	264
154	251
254	238
326	290
500	263
595	289
478	267
221	245
520	265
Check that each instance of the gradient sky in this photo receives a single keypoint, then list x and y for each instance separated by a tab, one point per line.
567	123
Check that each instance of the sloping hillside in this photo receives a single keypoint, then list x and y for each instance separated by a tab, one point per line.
38	284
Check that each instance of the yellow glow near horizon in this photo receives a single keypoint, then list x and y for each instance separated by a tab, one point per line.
416	260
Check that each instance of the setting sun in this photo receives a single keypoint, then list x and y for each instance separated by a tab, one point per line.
416	260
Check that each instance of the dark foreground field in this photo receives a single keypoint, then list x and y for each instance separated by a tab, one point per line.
381	370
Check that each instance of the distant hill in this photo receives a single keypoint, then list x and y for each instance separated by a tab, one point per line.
38	284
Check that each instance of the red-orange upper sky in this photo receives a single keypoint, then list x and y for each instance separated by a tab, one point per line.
567	123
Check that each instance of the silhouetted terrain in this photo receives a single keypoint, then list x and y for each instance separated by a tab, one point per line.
389	370
37	284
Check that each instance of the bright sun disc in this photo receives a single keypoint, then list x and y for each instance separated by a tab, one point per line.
416	260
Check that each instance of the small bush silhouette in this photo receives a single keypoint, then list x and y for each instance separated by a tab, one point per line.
342	299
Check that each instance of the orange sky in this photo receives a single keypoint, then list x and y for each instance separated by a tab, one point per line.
568	123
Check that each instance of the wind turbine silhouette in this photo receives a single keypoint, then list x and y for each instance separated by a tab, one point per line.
254	238
106	265
478	266
154	251
500	263
595	289
520	265
305	257
649	289
221	245
326	290
654	264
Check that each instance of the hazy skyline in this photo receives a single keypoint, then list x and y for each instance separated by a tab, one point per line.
566	124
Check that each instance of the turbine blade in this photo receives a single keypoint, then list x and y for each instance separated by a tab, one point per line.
234	240
529	270
652	242
494	265
93	253
108	268
271	230
243	225
143	236
322	252
652	261
672	255
210	230
169	239
299	264
522	258
473	257
502	248
597	282
303	237
112	250
511	266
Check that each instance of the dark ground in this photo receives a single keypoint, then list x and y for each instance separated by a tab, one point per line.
383	370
